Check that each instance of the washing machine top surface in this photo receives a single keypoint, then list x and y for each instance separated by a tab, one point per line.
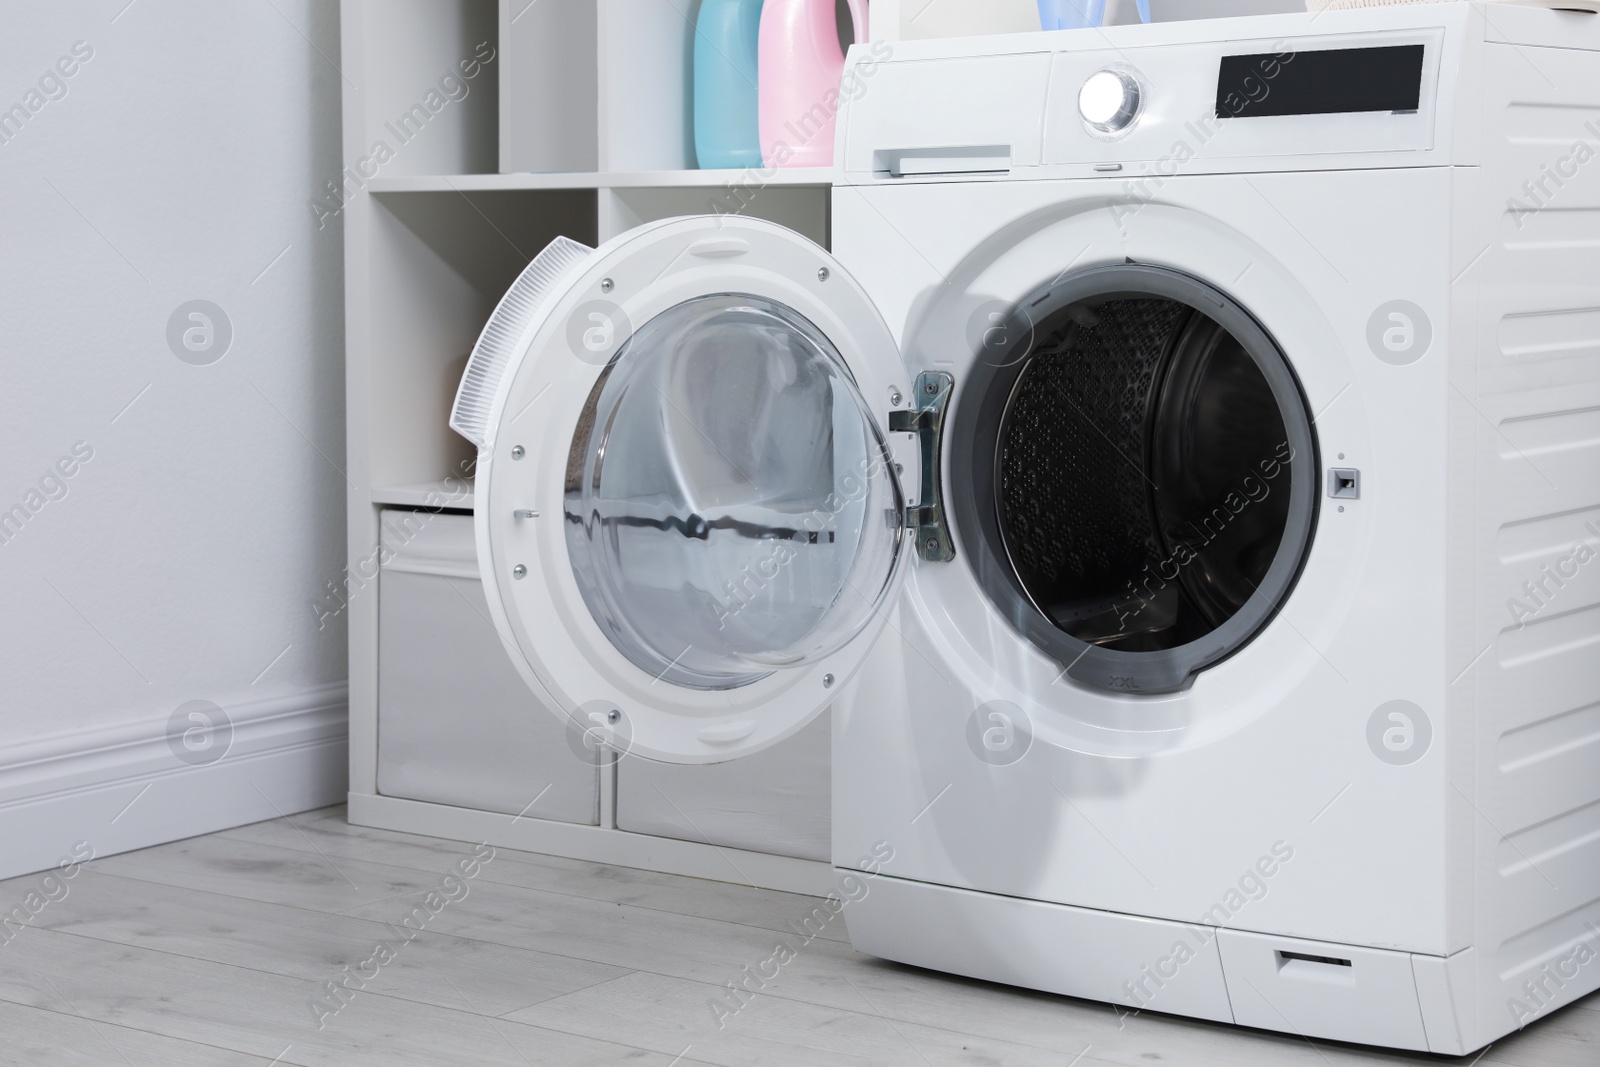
1378	87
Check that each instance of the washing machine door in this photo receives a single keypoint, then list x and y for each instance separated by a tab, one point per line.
689	522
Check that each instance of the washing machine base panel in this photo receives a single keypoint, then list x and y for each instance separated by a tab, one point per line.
1350	993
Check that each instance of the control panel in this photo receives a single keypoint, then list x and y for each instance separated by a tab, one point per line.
1190	105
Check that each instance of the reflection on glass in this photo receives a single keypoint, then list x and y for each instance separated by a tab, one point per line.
731	507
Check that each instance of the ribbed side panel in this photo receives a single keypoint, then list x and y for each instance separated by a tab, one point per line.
1532	396
1538	744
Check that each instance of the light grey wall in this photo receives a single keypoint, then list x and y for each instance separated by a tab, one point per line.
181	560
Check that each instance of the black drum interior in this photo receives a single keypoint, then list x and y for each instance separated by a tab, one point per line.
1135	472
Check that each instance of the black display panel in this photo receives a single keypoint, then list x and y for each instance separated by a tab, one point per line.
1327	82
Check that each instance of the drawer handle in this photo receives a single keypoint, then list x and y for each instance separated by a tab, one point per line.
962	159
1328	961
719	247
1306	967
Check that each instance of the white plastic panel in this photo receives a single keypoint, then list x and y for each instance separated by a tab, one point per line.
773	801
982	92
1318	989
986	102
1178	120
1441	981
1099	955
456	725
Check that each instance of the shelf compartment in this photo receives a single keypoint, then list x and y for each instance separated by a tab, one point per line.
415	96
666	179
455	494
549	86
646	76
438	263
821	177
804	209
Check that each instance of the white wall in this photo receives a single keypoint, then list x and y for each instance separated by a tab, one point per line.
182	562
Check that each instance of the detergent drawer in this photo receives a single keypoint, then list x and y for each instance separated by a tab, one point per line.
976	115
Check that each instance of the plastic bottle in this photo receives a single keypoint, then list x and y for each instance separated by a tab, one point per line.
1079	14
726	126
800	66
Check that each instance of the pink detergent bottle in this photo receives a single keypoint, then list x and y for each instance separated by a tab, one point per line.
799	67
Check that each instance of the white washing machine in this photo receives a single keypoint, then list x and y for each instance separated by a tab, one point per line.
1182	482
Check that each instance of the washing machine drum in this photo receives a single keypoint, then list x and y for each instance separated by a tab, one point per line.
1134	476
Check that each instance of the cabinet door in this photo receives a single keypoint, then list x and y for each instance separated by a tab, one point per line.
454	722
777	800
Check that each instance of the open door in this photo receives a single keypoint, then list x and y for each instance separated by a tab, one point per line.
689	521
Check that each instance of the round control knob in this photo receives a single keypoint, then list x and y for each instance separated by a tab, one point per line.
1109	101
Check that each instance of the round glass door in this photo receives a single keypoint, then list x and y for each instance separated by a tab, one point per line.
1137	474
731	507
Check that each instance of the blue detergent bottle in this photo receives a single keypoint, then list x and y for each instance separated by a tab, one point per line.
1079	14
726	123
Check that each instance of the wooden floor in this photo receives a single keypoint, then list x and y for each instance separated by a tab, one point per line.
218	950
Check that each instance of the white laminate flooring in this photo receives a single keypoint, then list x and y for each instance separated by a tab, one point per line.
215	950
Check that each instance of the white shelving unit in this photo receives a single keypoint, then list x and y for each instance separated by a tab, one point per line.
556	117
644	179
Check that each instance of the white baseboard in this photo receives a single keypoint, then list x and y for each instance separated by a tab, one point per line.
123	788
597	844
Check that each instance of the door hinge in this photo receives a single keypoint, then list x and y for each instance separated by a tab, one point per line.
931	396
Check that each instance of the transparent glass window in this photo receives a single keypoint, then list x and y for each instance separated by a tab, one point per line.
731	507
